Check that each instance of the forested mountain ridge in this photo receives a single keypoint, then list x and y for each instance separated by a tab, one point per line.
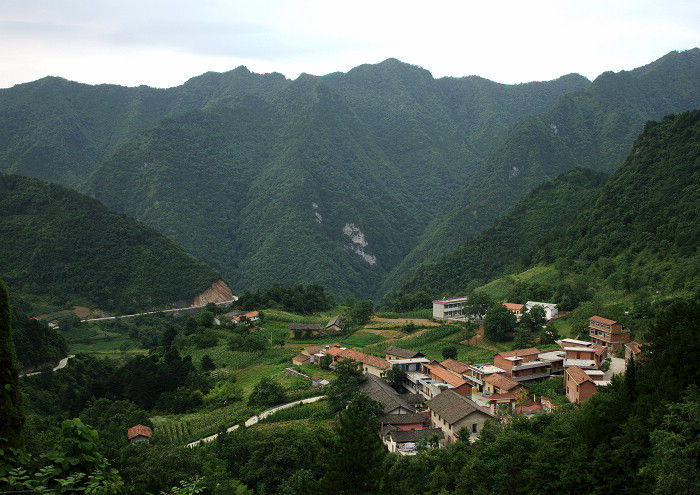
594	127
61	247
509	243
343	180
60	130
641	228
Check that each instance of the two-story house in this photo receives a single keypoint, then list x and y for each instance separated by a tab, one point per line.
523	364
452	412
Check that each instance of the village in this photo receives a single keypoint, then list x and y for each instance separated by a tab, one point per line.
436	403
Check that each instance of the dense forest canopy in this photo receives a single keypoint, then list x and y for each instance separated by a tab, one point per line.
61	248
508	244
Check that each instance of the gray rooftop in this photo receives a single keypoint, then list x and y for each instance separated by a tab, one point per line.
452	407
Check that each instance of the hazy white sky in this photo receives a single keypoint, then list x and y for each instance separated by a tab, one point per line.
163	43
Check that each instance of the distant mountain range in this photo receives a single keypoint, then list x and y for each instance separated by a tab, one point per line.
350	180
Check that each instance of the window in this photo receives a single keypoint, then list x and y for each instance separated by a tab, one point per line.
473	427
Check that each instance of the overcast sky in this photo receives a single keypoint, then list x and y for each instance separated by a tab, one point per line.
164	43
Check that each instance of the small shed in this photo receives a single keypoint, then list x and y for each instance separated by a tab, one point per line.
138	433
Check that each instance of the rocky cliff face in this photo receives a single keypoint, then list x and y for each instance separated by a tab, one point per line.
218	292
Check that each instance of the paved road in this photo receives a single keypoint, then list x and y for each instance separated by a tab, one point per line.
174	310
254	419
61	364
617	367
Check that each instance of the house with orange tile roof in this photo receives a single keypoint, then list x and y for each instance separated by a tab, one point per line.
500	384
138	433
456	367
633	349
608	333
441	375
370	364
516	309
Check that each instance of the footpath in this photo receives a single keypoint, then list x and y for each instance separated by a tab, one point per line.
254	419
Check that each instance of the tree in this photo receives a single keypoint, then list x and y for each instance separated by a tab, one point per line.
326	361
361	312
550	335
449	352
396	376
674	448
534	319
478	304
207	363
523	338
345	386
168	337
355	461
206	319
267	393
11	413
498	323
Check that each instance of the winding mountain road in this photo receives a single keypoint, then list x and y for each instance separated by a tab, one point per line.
254	419
174	310
61	364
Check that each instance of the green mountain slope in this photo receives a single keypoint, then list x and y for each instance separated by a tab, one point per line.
329	180
594	127
343	180
59	130
642	228
508	244
36	344
60	246
264	192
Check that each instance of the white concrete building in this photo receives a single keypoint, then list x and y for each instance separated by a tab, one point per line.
550	309
452	309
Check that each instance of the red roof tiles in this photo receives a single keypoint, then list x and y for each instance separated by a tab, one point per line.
519	352
455	366
442	374
578	375
502	382
603	320
138	430
360	357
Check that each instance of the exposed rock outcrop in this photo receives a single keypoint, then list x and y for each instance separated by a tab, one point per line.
218	292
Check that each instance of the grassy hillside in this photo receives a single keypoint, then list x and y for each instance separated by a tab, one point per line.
60	246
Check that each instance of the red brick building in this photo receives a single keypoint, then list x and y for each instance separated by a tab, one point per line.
579	386
523	364
633	349
608	333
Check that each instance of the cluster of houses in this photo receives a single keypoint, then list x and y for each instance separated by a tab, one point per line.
305	330
236	317
445	400
454	309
